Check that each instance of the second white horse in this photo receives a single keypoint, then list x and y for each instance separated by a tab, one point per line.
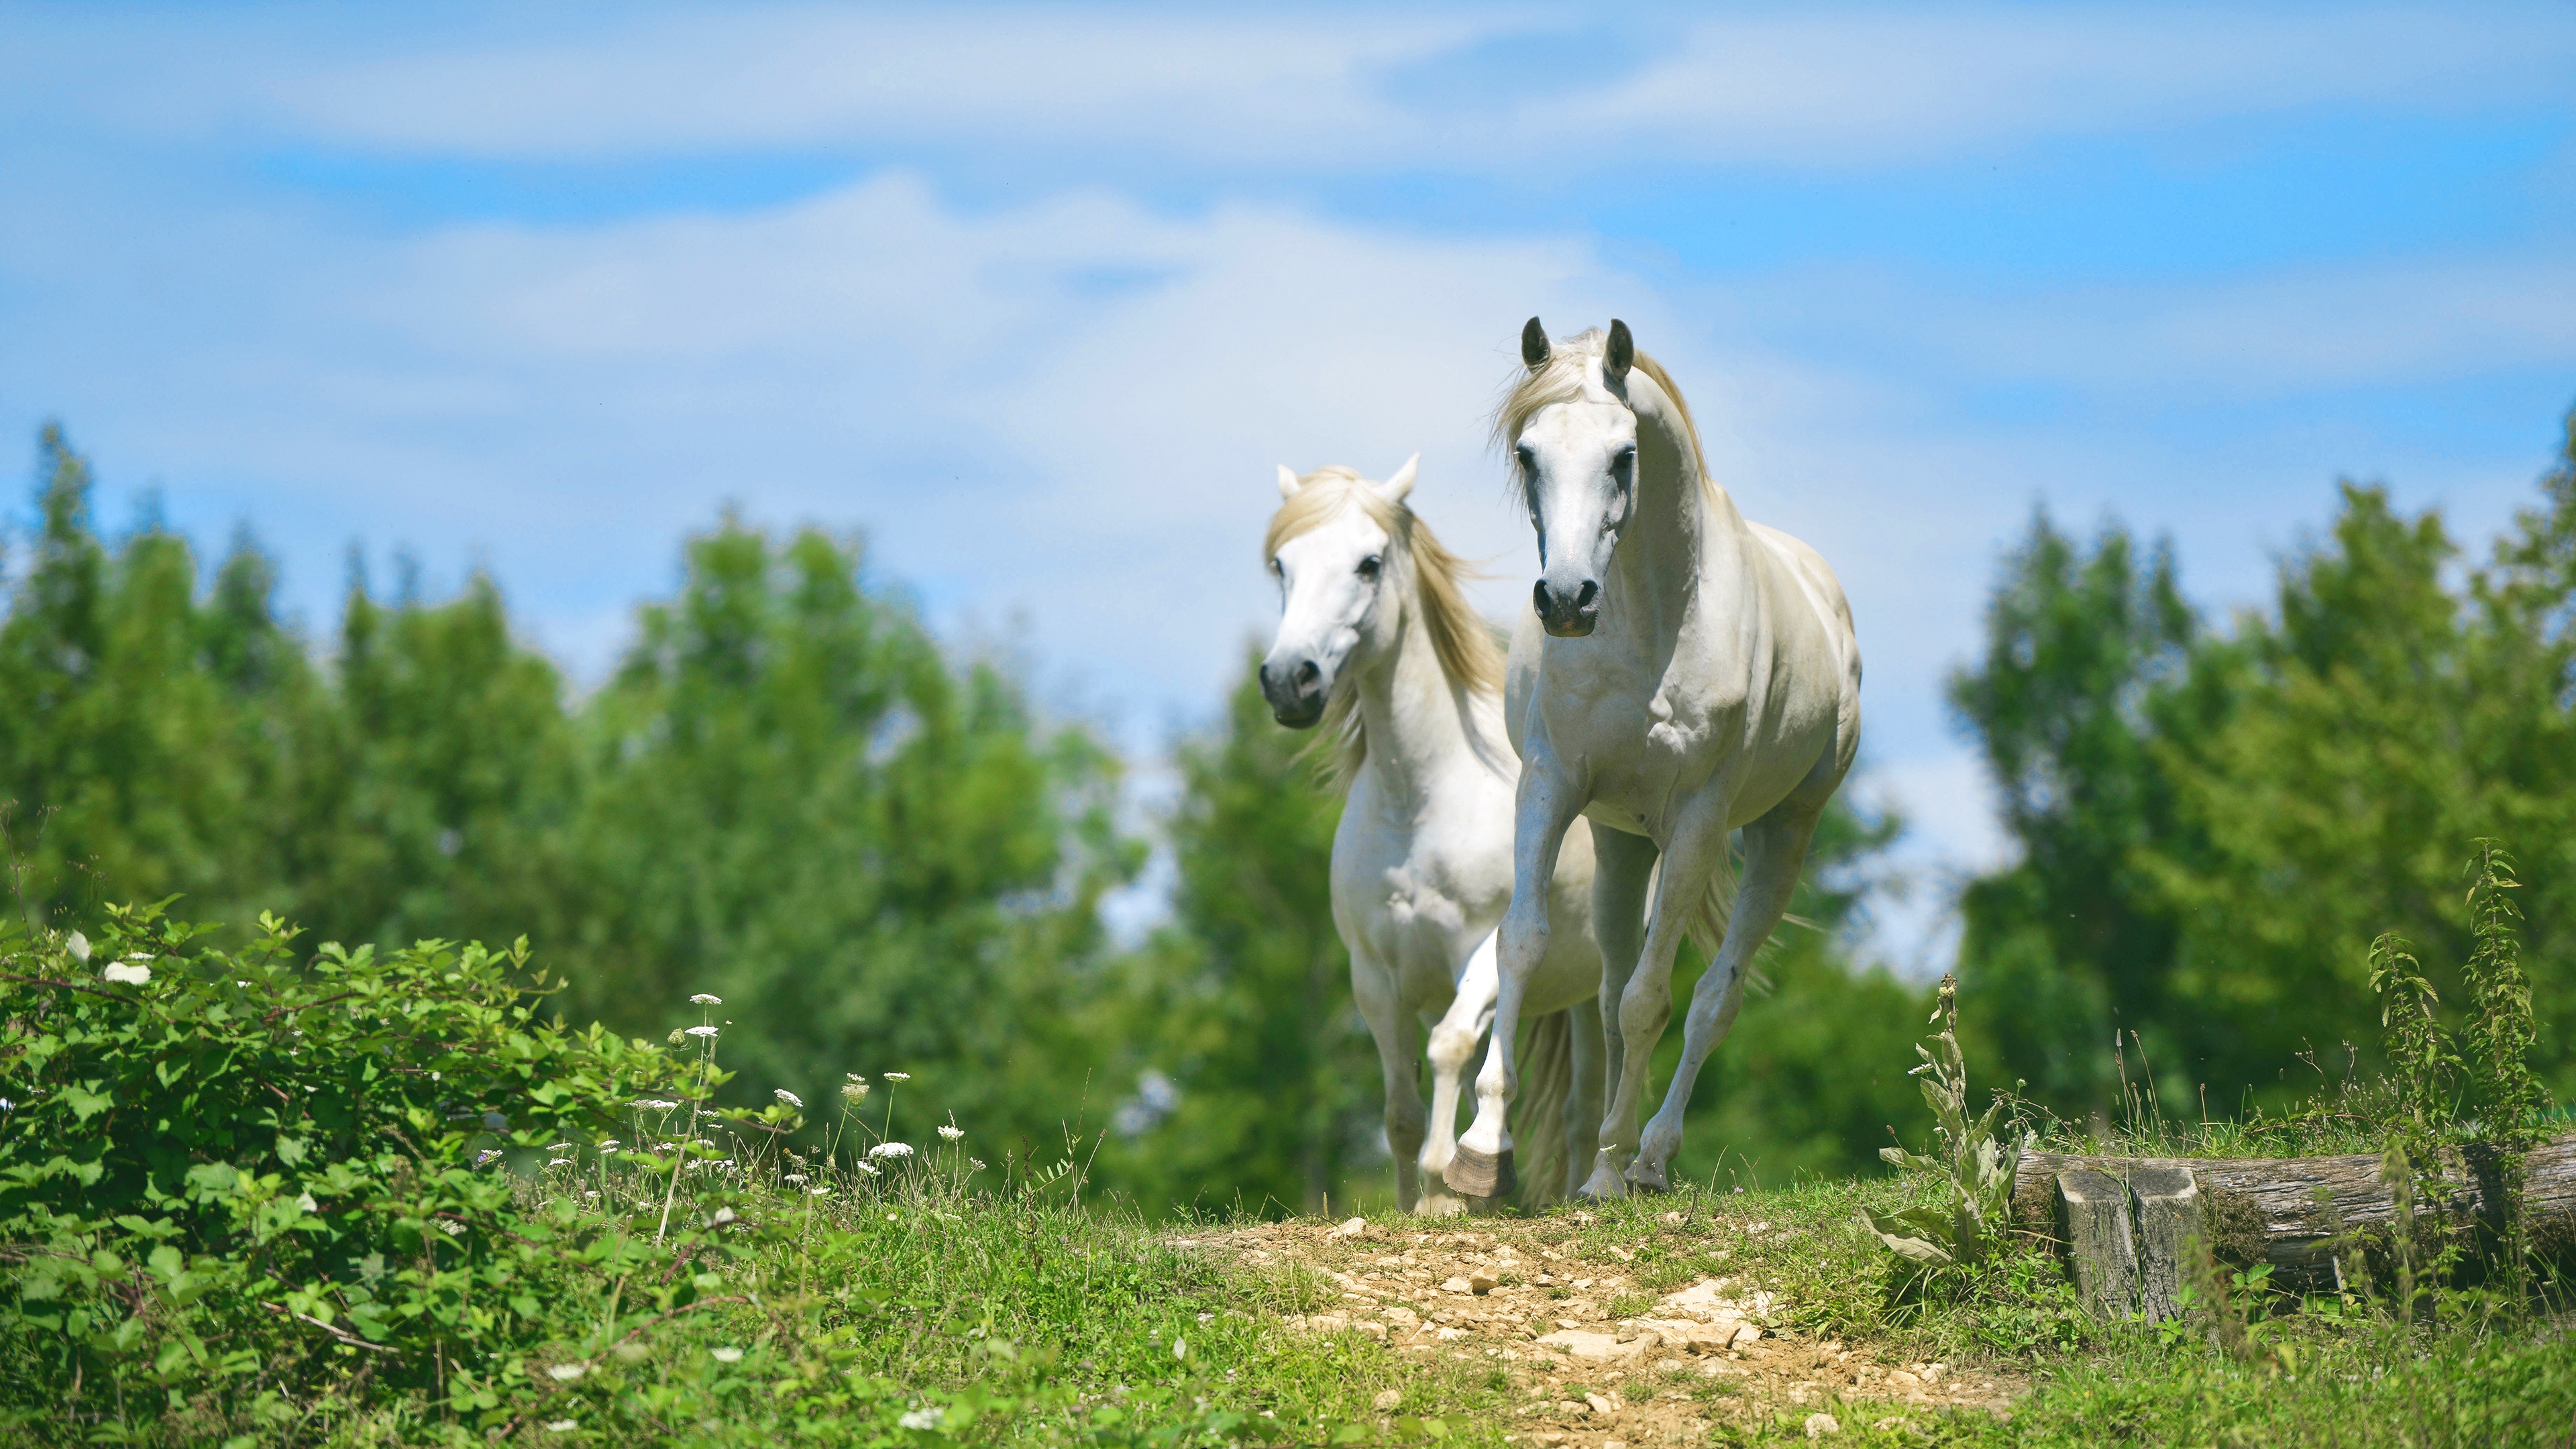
1377	644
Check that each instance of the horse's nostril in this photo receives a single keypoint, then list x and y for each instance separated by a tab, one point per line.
1538	596
1307	673
1584	596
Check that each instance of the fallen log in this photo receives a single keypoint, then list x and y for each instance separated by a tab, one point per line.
2122	1220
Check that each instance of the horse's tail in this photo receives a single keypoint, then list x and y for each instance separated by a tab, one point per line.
1546	1058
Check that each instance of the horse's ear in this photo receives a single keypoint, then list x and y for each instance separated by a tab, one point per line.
1288	484
1533	344
1621	354
1394	489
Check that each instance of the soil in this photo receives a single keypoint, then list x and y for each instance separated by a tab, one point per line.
1597	1361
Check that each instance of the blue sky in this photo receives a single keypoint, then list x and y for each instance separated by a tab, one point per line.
1038	297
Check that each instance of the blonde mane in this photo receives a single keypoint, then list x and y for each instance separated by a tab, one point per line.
1468	647
1561	380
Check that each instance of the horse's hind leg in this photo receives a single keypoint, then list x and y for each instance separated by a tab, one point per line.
1373	990
1453	1051
1622	867
1775	850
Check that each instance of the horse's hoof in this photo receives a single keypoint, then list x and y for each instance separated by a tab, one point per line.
1603	1187
1484	1207
1440	1205
1477	1174
1647	1182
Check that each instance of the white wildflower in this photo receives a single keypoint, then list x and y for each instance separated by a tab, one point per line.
891	1149
820	1191
561	1426
794	1177
703	999
790	1098
608	1144
866	1166
952	1133
854	1092
853	1076
929	1418
702	1031
654	1104
558	1162
484	1156
564	1373
559	1147
898	1076
307	1203
1180	1347
453	1230
976	1163
725	1355
124	974
79	945
722	1217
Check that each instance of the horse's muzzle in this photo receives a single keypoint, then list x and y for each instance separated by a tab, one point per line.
1296	693
1567	615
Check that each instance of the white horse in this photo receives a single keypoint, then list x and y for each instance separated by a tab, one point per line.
1377	644
1697	674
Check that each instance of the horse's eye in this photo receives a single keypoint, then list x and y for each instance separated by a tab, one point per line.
1626	461
1276	571
1369	567
1528	458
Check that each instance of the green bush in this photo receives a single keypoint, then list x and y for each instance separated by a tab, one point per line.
235	1180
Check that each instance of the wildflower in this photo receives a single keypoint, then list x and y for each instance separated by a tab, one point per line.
898	1076
821	1191
854	1092
952	1133
484	1156
564	1373
558	1162
891	1149
1180	1347
79	946
976	1163
702	1031
795	1177
722	1217
678	1036
654	1104
307	1203
725	1355
561	1426
453	1230
866	1166
929	1418
125	974
790	1098
853	1076
608	1145
703	999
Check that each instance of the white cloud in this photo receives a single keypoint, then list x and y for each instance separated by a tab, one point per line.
1361	89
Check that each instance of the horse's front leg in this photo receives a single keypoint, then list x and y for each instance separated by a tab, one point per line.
1691	861
1373	990
1453	1051
1775	850
1623	866
1546	808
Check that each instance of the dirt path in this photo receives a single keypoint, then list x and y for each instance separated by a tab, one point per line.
1607	1344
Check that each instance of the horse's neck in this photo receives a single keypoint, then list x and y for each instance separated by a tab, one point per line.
1664	556
1418	720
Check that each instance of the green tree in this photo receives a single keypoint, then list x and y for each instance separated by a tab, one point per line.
877	857
2072	941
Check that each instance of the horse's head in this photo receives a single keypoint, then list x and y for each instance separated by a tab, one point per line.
1328	550
1573	438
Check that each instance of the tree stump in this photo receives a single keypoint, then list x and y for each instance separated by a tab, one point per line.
2131	1227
